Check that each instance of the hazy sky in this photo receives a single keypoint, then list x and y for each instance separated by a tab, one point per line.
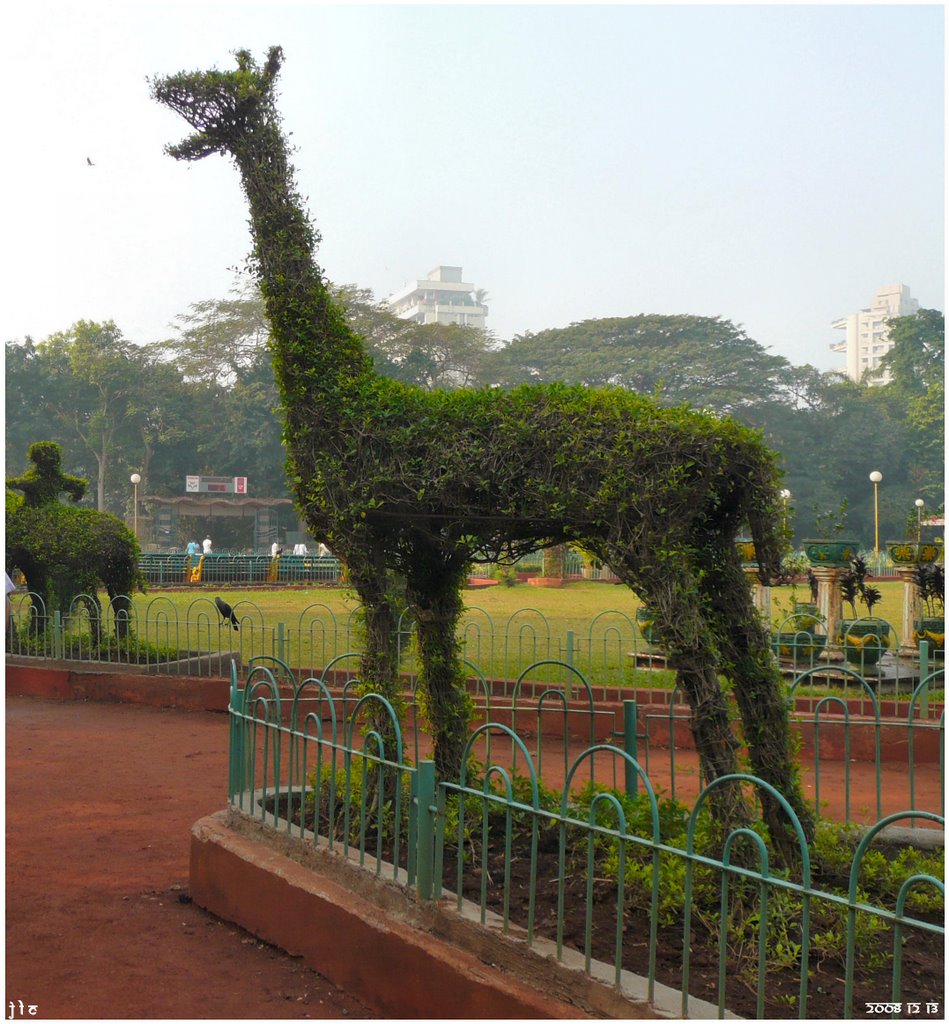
772	165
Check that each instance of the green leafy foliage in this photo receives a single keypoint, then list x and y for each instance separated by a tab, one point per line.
421	482
62	550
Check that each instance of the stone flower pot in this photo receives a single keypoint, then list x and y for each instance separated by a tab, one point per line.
864	640
911	552
831	553
645	620
746	551
802	645
934	630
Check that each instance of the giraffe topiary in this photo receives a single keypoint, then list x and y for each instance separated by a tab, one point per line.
397	479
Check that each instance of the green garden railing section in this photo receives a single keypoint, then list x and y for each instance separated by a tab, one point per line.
575	680
179	568
304	763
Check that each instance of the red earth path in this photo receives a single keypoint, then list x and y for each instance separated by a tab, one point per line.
100	800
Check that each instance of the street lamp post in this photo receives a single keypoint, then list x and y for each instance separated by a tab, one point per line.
785	497
876	476
919	519
136	480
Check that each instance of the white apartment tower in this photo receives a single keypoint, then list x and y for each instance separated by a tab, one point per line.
442	298
868	339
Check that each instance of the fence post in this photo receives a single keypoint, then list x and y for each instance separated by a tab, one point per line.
58	643
923	672
281	643
569	660
425	861
630	724
235	713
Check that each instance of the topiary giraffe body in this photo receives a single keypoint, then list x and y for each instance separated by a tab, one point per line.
420	482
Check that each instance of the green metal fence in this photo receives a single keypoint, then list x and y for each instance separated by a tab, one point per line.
605	873
562	689
177	568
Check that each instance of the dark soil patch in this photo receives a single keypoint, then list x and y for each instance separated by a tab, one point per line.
596	933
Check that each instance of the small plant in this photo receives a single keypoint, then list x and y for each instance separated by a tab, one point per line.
854	587
831	522
505	575
930	581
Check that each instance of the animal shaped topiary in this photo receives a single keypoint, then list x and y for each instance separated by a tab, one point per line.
417	482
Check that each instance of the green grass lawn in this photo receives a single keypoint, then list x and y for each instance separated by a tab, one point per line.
505	629
571	607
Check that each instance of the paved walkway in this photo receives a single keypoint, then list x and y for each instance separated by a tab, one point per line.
100	799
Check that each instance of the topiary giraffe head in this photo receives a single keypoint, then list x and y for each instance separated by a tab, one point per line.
219	104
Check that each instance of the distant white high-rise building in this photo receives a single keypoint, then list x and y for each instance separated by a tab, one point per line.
868	338
442	298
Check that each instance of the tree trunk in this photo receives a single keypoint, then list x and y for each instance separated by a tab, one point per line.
553	564
681	629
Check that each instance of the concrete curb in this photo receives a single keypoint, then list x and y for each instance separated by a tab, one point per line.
397	969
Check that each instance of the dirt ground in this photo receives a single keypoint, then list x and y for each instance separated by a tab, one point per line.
100	799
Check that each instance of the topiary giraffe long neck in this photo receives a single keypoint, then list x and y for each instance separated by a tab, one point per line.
319	363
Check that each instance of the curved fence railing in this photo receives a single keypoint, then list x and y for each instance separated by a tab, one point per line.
609	877
586	686
609	649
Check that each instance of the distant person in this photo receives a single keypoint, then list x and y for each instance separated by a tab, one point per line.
275	549
207	545
194	548
11	586
299	549
323	551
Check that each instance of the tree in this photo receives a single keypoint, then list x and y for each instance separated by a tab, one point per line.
424	355
706	361
917	360
95	379
917	363
30	396
218	338
437	356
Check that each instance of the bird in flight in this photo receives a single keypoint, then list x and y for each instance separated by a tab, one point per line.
89	162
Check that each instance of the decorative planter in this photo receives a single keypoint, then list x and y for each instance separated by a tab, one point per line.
831	554
800	646
746	551
933	630
805	617
864	640
911	552
645	620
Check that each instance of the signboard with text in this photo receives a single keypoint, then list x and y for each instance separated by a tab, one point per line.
216	484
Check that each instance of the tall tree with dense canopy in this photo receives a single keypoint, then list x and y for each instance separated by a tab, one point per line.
706	361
